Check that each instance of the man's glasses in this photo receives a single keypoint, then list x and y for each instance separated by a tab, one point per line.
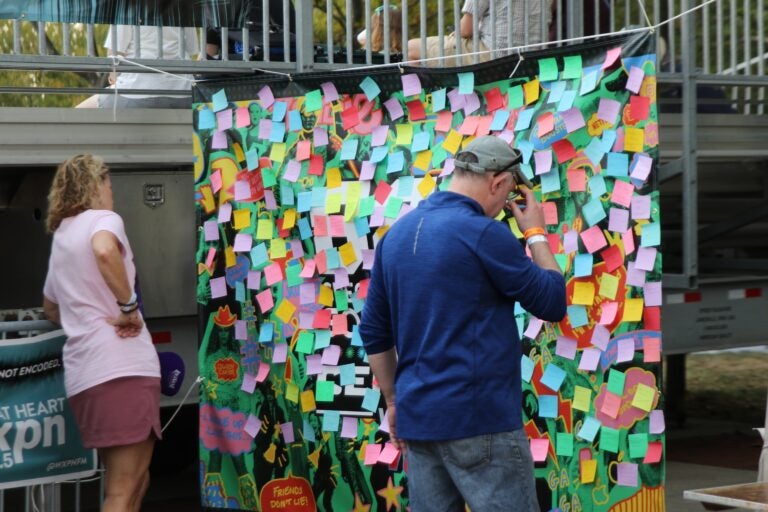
515	191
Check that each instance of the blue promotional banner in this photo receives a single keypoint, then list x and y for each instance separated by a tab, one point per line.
39	440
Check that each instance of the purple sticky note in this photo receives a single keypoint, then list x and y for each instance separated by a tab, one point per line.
589	359
341	278
635	276
252	425
314	364
287	431
618	220
600	336
411	84
266	96
457	100
646	258
269	199
242	190
265	128
307	293
292	171
573	119
543	161
566	347
367	170
224	119
626	351
471	103
331	355
306	320
394	108
249	383
297	249
377	218
448	167
319	137
368	256
571	242
329	92
218	287
626	474
349	427
652	293
635	79
243	242
219	140
211	229
657	425
641	167
280	353
641	207
241	330
379	135
254	279
608	109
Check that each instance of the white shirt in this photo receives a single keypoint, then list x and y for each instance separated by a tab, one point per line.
503	21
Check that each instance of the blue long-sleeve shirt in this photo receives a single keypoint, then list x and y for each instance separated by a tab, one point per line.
443	289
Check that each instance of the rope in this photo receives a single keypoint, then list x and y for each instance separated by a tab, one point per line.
641	4
198	380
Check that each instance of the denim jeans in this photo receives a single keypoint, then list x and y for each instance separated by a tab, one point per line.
492	472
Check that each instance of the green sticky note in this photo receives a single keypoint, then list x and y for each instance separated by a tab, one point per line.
324	391
515	96
562	261
616	382
392	209
365	206
638	445
466	82
548	69
564	444
572	68
313	100
609	439
268	177
306	342
292	275
342	303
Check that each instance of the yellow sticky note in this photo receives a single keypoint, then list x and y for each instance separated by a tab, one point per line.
325	297
308	401
333	177
452	142
292	392
531	91
209	203
289	218
634	139
644	396
515	228
633	310
333	203
427	185
353	199
229	256
277	248
404	134
264	229
583	293
277	153
285	311
347	254
582	398
239	155
242	218
422	160
380	232
588	470
609	285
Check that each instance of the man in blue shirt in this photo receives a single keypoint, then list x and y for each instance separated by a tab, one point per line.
439	330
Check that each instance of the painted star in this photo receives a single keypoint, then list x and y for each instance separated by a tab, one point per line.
391	494
360	506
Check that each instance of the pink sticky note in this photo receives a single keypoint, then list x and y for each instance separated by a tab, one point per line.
287	430
266	96
635	79
394	108
210	257
249	383
653	455
292	171
626	350
626	474
309	269
218	287
254	280
593	239
314	364
216	181
389	454
657	423
243	242
573	119
566	347
303	149
252	425
543	161
589	359
340	326
280	353
534	326
273	273
243	117
600	336
628	239
211	230
546	123
611	56
608	110
242	190
622	193
329	92
331	355
539	449
641	207
411	84
372	452
263	372
265	300
444	120
651	350
550	213
225	213
337	225
224	119
349	427
608	312
646	258
571	242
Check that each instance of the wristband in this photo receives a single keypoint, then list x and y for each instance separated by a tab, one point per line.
534	239
533	231
129	308
130	302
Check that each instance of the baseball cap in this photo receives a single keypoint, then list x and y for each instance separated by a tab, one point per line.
493	155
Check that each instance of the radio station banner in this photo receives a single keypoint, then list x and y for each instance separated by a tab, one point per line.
297	179
39	440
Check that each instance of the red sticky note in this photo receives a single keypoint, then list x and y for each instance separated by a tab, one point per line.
652	318
554	242
651	350
564	151
316	165
546	123
265	163
639	107
653	454
349	118
382	192
612	258
362	291
322	319
416	110
444	119
577	180
493	99
550	212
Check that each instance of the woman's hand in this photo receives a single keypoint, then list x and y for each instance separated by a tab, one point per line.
128	325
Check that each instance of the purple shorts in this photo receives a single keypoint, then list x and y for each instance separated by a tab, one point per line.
118	412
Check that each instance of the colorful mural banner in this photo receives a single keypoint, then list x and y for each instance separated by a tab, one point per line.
298	178
39	439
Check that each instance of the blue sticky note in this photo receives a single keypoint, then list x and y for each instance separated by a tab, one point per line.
294	121
596	186
519	309
322	338
286	195
308	432
588	82
347	374
566	101
577	316
205	119
252	158
259	258
277	134
405	186
420	142
650	235
239	291
526	368
556	90
220	100
378	154
370	88
548	406
524	119
318	197
304	230
526	148
527	171
438	100
357	341
349	149
500	119
589	429
357	306
595	151
395	162
304	202
582	265
267	332
278	110
331	421
332	258
593	212
550	181
618	165
361	226
466	82
609	137
553	377
371	399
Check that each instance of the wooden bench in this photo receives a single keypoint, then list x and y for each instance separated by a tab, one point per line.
752	496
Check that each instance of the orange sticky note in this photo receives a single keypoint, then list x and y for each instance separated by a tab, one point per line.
531	91
308	401
588	470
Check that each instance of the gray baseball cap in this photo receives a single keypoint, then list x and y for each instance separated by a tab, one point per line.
493	155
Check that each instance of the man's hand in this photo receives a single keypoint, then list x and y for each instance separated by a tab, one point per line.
127	325
532	216
392	416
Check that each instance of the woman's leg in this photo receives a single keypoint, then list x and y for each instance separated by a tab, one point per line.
127	475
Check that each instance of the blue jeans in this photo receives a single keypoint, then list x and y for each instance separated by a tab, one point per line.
492	472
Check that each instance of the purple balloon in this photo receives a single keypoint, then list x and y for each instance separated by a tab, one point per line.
171	373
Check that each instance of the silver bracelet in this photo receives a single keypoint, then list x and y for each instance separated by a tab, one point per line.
535	239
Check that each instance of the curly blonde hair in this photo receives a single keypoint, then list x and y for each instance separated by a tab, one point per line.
74	189
395	30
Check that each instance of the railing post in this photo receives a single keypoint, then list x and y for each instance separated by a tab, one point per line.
689	156
305	46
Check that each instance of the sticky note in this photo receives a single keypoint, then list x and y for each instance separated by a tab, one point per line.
588	469
634	139
370	88
466	82
331	420
553	377
593	239
583	293
548	406
548	69
590	357
572	67
324	391
564	444
609	439
531	91
644	397
616	382
539	449
638	445
589	429
633	310
285	311
582	398
656	422
626	474
566	347
653	453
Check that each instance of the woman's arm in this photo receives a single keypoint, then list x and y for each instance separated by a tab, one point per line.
51	310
